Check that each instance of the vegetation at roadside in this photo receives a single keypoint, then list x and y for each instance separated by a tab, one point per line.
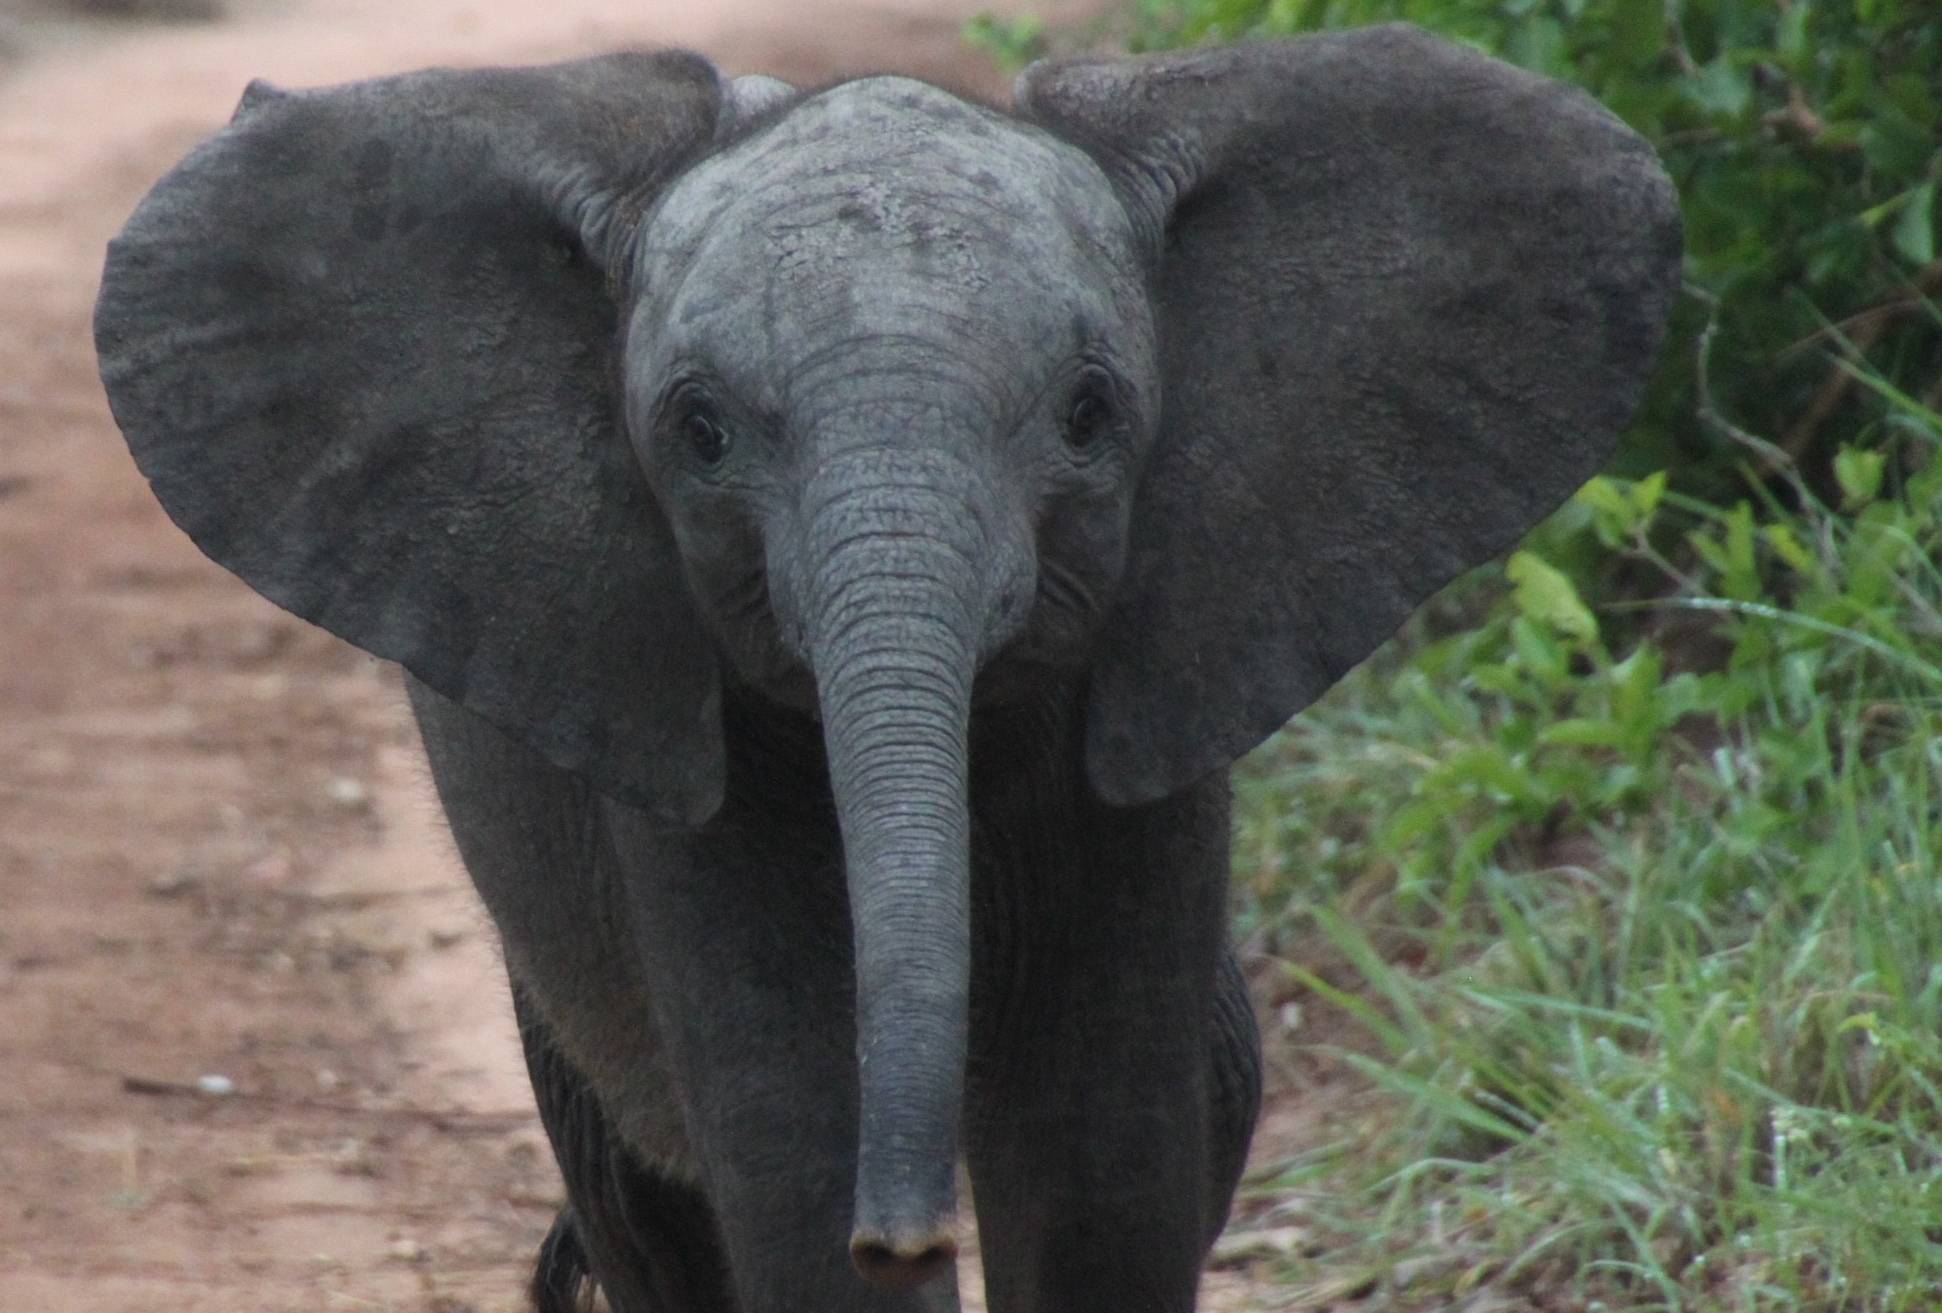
1615	877
1643	949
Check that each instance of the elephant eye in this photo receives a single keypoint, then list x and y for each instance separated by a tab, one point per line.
1089	416
704	437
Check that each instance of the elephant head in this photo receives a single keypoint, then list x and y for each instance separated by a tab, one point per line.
586	391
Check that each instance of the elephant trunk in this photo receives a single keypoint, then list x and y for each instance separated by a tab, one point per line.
900	610
894	718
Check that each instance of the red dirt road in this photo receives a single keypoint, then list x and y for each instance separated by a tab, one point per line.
219	856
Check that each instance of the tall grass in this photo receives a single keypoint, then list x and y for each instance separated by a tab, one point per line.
1635	917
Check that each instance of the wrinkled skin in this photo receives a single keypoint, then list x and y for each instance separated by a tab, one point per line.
838	543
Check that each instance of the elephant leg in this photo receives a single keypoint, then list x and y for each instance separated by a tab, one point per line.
1103	1203
1115	1070
1235	1067
646	1240
745	937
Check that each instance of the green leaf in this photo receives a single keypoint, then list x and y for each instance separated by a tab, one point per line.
1859	472
1486	770
1582	732
1647	492
1743	572
1788	547
1538	649
1638	31
1790	34
1613	513
1709	550
1443	1102
1010	43
1603	494
1720	88
1539	46
1914	234
1546	596
1635	682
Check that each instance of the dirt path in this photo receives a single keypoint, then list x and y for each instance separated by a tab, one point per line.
218	854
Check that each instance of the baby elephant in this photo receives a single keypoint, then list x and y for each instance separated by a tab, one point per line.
839	541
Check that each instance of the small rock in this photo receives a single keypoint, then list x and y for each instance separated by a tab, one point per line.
215	1086
346	792
407	1250
174	883
328	1080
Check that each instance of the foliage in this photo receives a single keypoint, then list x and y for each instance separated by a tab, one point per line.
1646	950
1806	140
1011	43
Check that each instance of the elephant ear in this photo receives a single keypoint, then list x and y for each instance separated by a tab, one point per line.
1407	297
363	342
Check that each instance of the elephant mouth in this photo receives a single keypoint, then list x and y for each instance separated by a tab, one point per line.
785	681
1021	672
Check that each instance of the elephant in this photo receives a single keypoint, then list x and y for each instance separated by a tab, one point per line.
839	540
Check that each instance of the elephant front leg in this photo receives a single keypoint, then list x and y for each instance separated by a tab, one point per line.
645	1238
1099	1208
1116	1073
1234	1065
746	942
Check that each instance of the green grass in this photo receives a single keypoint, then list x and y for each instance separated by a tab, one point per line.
1640	953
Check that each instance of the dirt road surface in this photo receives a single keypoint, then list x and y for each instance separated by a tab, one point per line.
220	865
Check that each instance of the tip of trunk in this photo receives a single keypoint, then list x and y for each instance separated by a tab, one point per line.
906	1218
901	1259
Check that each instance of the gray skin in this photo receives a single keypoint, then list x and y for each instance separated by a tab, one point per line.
838	543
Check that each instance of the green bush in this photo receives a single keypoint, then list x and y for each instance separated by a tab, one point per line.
1806	141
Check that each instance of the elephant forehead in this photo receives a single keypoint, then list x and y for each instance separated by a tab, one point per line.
885	181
